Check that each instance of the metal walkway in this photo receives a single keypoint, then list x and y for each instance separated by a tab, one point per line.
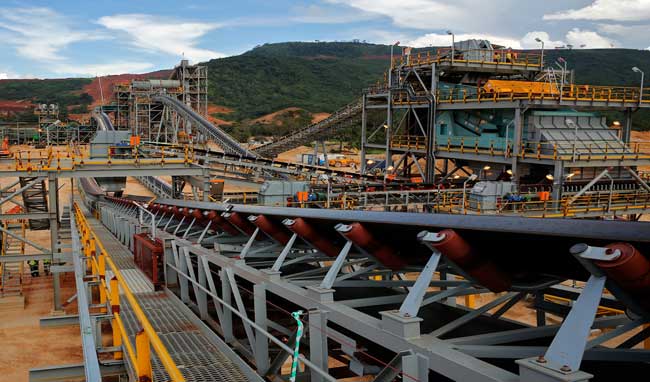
195	355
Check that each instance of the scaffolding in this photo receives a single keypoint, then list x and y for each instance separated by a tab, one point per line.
135	109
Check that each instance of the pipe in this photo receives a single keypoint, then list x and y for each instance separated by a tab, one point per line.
461	253
303	229
271	228
631	270
359	235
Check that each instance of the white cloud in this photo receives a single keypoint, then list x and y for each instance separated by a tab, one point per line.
4	76
443	39
588	39
622	10
418	14
92	70
41	33
576	37
163	35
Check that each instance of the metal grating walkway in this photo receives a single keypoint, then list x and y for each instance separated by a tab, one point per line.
198	359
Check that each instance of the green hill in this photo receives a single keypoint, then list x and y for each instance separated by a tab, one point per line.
321	77
65	92
318	77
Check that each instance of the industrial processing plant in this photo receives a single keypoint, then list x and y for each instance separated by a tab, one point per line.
475	212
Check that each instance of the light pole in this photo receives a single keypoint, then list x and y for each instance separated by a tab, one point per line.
539	40
637	70
390	67
452	46
470	179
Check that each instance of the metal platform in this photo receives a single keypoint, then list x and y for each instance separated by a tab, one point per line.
194	353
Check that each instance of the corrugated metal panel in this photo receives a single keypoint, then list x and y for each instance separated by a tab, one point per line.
584	134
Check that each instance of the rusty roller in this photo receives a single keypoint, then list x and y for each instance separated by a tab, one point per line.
277	232
198	214
359	235
631	270
240	222
221	223
303	229
461	253
177	212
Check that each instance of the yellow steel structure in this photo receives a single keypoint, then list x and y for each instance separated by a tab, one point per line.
140	357
499	58
600	203
70	159
565	93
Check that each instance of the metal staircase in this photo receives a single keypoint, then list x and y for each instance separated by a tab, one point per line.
11	273
345	116
35	200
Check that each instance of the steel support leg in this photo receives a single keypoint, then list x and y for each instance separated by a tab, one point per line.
53	210
318	353
261	341
413	300
226	322
334	270
562	359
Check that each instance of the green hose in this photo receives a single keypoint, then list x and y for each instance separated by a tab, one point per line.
296	353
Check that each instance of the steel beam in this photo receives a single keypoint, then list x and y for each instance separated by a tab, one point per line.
75	372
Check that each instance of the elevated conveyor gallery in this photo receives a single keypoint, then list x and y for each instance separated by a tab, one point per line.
220	137
345	116
195	354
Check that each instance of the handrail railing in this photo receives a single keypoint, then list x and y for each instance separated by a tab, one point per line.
99	259
597	203
566	150
497	57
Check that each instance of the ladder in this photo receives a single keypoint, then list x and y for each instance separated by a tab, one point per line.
35	200
11	273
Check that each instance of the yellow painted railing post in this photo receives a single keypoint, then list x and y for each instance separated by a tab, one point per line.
102	278
470	301
143	351
147	338
115	310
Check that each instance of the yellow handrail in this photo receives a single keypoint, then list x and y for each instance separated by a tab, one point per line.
151	335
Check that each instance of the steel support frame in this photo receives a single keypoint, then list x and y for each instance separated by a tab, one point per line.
438	354
307	299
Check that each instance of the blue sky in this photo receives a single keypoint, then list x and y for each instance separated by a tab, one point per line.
68	38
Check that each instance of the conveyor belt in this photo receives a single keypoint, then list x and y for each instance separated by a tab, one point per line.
522	246
345	116
198	359
220	137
